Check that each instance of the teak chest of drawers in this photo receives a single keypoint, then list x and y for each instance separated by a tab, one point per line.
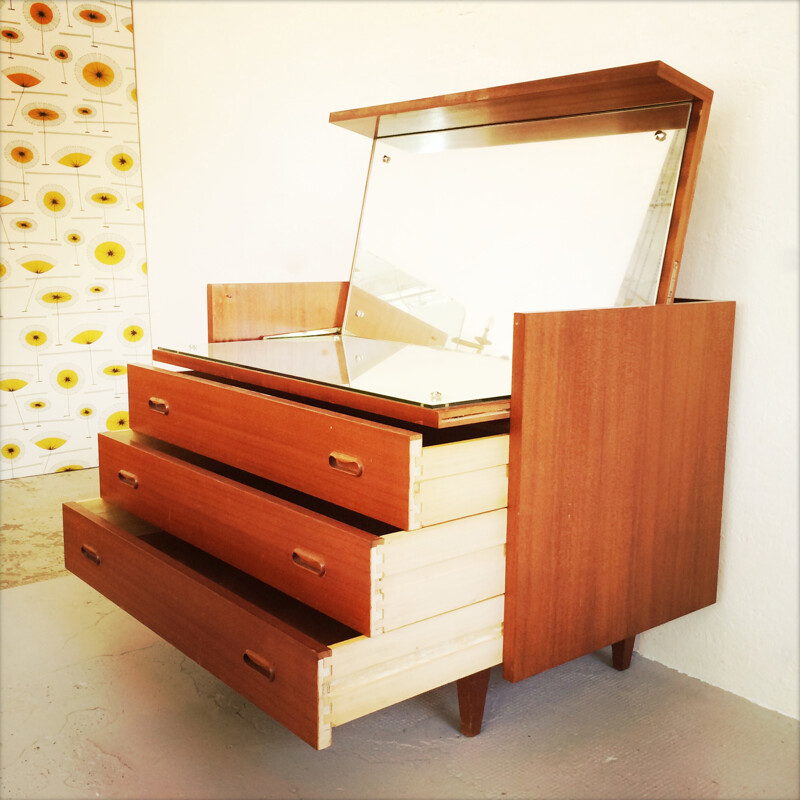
320	614
328	552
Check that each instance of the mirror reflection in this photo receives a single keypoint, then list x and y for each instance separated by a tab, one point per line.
423	376
462	228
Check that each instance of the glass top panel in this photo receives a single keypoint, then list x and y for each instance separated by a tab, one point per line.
462	228
424	376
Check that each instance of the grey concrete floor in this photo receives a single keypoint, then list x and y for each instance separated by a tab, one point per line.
96	706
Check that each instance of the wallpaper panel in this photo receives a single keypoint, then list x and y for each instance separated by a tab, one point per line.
73	269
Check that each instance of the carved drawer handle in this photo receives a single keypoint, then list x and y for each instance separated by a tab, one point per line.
90	553
350	465
308	561
128	478
259	664
158	405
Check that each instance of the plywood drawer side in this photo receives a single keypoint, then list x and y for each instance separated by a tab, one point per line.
430	571
366	675
371	581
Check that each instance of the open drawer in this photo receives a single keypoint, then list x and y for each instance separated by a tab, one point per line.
364	573
306	670
381	470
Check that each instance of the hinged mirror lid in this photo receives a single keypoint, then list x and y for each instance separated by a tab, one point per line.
636	86
476	135
557	194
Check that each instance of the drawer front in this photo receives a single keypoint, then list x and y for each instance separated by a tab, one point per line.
273	666
308	672
319	561
371	583
361	465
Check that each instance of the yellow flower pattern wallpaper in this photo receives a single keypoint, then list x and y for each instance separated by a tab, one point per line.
73	268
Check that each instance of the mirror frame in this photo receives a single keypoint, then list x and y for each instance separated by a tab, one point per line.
566	98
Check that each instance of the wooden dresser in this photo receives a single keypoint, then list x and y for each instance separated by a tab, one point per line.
328	552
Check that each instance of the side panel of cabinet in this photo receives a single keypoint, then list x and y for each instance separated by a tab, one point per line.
617	455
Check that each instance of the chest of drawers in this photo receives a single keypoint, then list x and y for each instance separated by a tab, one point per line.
319	613
328	551
269	587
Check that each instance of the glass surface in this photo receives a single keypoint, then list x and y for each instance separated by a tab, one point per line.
460	229
424	376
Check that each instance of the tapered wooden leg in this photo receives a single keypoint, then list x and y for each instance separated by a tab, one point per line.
472	700
621	653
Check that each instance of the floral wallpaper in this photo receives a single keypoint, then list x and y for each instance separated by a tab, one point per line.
73	269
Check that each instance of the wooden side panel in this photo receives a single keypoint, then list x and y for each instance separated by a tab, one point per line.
209	624
252	310
617	455
353	463
460	479
311	557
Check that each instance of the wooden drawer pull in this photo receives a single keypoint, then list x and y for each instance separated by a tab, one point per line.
128	478
308	561
158	405
350	465
90	553
259	664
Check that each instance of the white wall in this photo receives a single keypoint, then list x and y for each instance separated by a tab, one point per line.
245	180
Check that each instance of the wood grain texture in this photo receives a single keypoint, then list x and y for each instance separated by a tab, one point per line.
617	455
374	579
280	440
634	86
209	623
239	311
250	529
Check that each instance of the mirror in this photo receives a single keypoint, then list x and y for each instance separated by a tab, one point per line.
548	195
423	376
461	228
